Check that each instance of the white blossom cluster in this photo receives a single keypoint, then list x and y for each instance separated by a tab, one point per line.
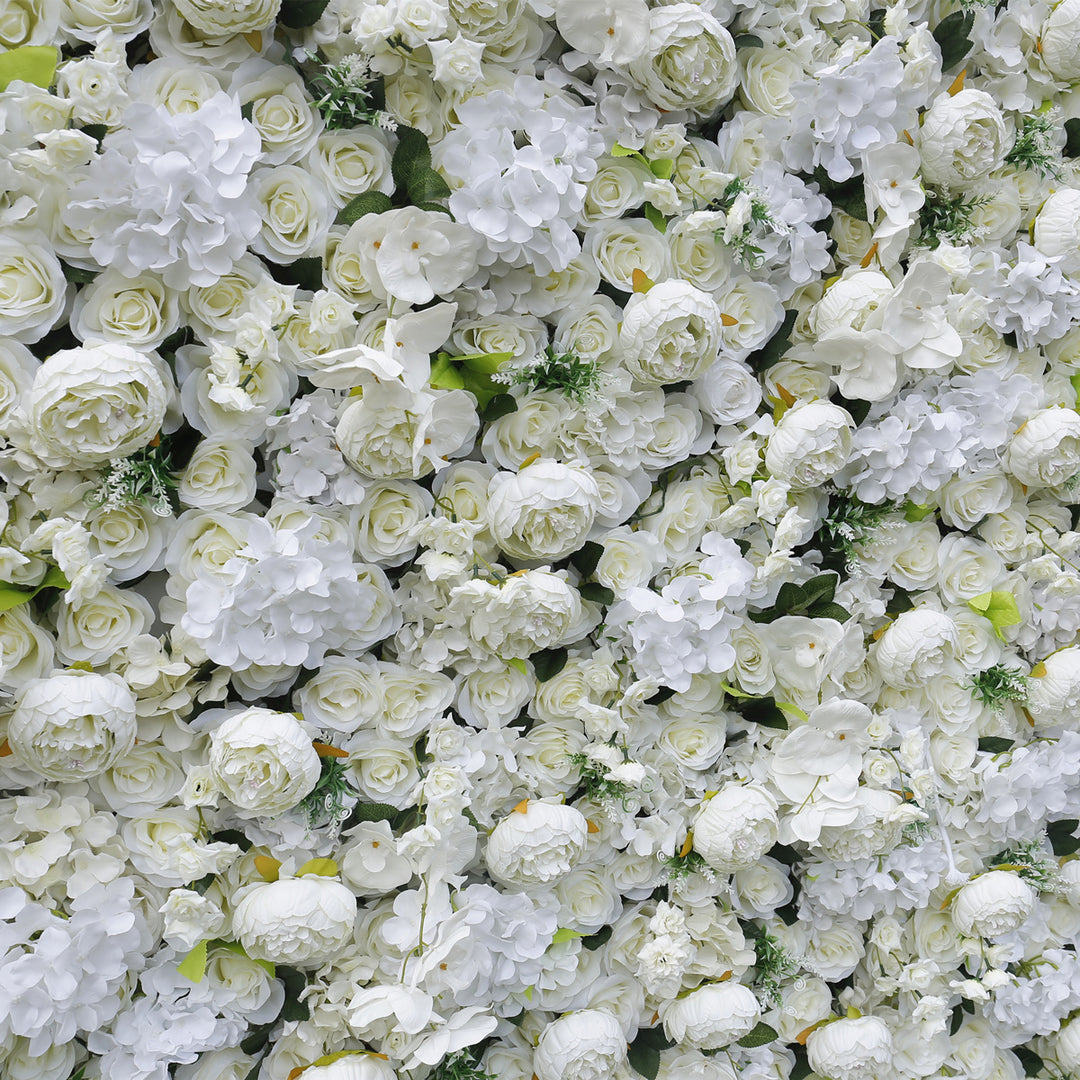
539	540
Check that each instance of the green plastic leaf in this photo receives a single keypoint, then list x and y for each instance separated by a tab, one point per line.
298	14
1072	137
1031	1062
31	64
484	363
789	708
821	589
586	557
193	966
321	867
547	663
565	934
662	168
499	405
426	185
294	982
13	595
993	744
594	941
764	712
916	511
999	607
748	41
1075	380
952	35
444	375
644	1051
519	665
1062	836
370	202
597	593
655	218
236	947
758	1036
412	153
771	352
373	811
829	610
624	151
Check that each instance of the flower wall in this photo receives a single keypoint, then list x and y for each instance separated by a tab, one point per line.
539	540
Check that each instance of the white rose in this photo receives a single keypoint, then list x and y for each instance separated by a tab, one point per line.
533	428
26	650
228	1064
384	770
670	333
736	827
1045	451
962	138
494	695
221	19
623	245
91	404
810	444
351	161
714	1016
219	476
753	311
262	761
144	778
33	292
538	843
582	1045
618	186
967	568
138	311
695	254
917	646
763	887
1059	41
96	628
281	110
190	918
303	921
768	76
542	512
804	1006
728	392
994	903
966	500
629	560
851	1049
73	724
389	515
295	212
164	847
1057	225
1067	1046
689	62
343	695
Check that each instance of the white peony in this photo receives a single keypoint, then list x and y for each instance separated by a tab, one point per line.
1059	41
851	1049
218	19
811	443
362	1065
962	138
713	1016
917	646
1045	451
585	1045
994	903
736	827
537	843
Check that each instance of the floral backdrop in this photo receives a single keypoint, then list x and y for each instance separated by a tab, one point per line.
539	539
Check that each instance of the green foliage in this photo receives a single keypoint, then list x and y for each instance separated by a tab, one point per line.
1035	147
13	595
948	217
298	14
1062	836
564	372
461	1065
761	221
851	522
145	477
999	684
761	1035
1031	863
594	780
547	663
813	598
682	866
34	64
326	801
644	1051
773	350
772	964
951	34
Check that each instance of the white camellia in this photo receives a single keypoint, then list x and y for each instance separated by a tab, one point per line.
542	512
584	1045
811	444
670	333
537	843
736	827
713	1016
95	403
262	761
1045	451
962	138
1056	229
993	903
72	724
851	1049
303	921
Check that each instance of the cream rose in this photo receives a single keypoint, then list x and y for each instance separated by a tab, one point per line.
33	291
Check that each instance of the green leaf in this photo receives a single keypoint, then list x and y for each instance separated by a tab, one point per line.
193	966
426	185
597	593
992	744
1072	137
829	610
236	947
1032	1063
484	363
1075	380
655	218
373	811
748	41
801	1069
951	34
999	607
791	597
1062	836
321	867
789	708
821	589
298	14
306	273
763	712
34	64
370	202
586	557
434	208
96	132
784	853
565	934
518	664
759	1036
412	153
594	941
294	982
644	1051
233	836
624	151
445	375
499	405
662	168
916	511
13	595
547	663
771	352
77	274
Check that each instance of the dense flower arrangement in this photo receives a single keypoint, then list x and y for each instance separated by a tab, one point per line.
540	539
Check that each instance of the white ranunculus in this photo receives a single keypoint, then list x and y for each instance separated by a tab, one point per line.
1059	41
736	827
302	921
670	333
92	404
851	1049
73	724
583	1045
689	62
262	761
994	903
962	138
810	444
221	18
542	512
1045	451
917	646
714	1016
537	843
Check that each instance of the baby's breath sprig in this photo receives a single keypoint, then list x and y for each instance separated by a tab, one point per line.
327	799
759	220
594	780
565	372
461	1065
773	963
1035	148
144	477
346	95
949	217
999	684
1031	863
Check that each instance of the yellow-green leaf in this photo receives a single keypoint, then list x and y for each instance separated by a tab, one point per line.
564	934
13	595
444	375
1075	380
269	868
322	867
485	363
32	64
999	607
662	168
792	709
517	662
193	966
236	947
916	511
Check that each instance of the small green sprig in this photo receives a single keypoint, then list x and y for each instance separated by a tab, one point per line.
851	521
679	867
565	372
461	1065
761	221
594	780
328	798
773	962
1034	147
999	684
144	477
1031	863
948	217
346	100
